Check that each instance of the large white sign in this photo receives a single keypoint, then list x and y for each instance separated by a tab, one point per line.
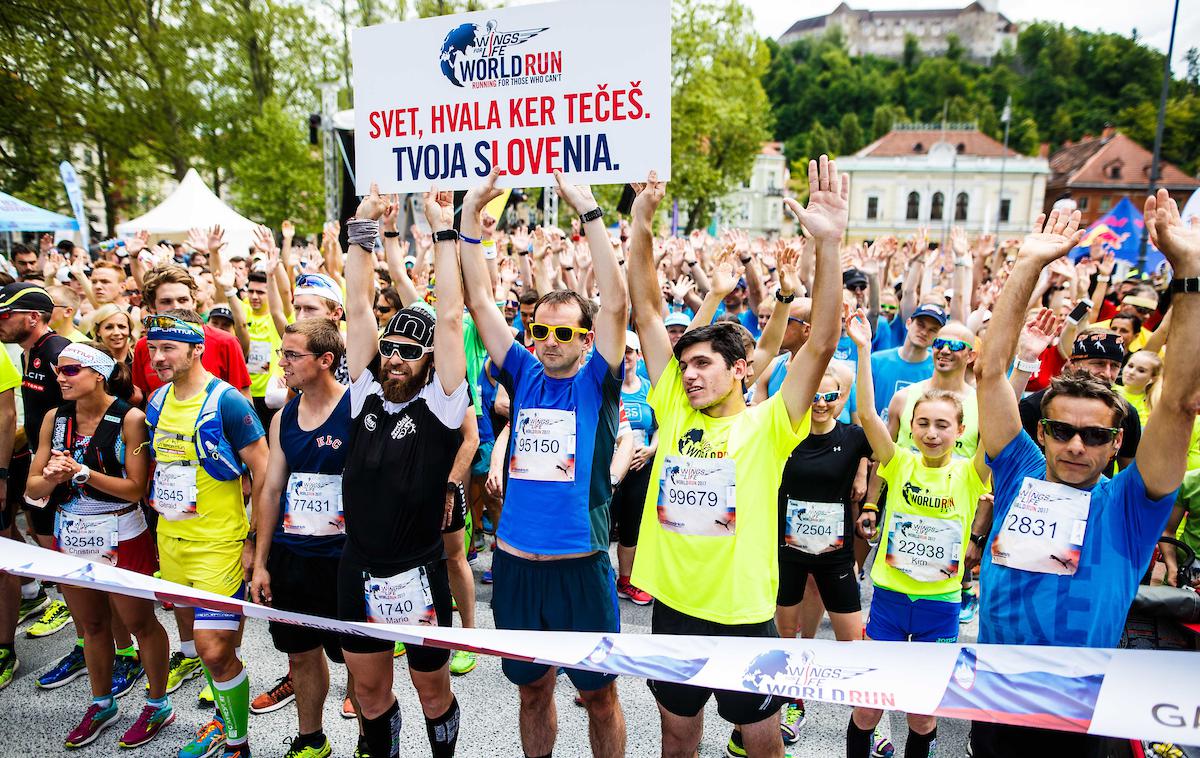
579	87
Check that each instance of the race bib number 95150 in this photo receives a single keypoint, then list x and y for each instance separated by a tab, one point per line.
544	447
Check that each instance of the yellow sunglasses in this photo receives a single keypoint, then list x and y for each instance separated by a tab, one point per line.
562	334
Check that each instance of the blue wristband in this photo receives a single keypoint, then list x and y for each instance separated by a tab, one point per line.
465	238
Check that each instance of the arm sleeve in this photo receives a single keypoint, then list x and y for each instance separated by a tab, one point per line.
239	421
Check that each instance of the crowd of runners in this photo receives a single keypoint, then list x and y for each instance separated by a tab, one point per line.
978	428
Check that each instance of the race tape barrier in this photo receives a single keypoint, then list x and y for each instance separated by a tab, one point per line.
1135	694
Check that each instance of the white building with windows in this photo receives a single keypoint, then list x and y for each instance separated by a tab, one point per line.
757	205
937	175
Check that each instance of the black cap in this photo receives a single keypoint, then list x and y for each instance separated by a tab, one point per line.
25	296
1098	345
854	277
220	311
415	323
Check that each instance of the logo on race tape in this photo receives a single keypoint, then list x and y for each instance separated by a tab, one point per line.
801	675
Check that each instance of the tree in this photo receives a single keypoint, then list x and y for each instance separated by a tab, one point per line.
851	133
278	175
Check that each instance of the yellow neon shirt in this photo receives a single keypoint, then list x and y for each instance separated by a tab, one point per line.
10	378
220	512
920	499
262	361
732	578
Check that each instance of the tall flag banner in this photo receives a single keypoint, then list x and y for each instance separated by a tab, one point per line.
75	195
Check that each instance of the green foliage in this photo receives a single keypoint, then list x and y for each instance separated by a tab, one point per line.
278	175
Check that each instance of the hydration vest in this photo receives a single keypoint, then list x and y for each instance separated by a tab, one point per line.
216	456
100	454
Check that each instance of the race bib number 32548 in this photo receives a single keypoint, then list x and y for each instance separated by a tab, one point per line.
697	496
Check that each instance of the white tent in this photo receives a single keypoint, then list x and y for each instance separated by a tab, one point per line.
193	204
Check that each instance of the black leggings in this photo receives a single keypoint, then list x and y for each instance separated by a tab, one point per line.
627	502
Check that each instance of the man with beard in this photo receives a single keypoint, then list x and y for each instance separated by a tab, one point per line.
404	434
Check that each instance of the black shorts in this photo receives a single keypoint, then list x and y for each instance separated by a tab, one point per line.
990	740
837	584
628	500
304	585
41	520
687	700
352	606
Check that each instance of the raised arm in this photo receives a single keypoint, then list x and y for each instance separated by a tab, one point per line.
1039	333
999	418
449	358
725	275
877	432
477	282
362	337
1162	454
393	253
825	218
960	303
771	338
643	280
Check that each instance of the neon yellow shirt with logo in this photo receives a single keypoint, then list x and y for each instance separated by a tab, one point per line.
262	361
708	541
220	510
927	526
967	442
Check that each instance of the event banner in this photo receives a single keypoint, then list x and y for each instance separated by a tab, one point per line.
578	87
1136	694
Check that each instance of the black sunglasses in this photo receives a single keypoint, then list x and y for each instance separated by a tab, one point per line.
1092	436
408	351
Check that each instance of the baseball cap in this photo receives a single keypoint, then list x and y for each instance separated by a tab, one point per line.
631	340
853	277
220	311
933	312
25	296
321	285
677	319
1098	345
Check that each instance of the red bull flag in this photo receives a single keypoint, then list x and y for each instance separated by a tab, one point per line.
1119	230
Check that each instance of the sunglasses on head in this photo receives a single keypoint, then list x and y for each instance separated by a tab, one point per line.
169	322
562	334
407	351
1092	436
828	397
955	346
70	369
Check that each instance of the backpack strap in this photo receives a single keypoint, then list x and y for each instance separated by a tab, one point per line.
102	450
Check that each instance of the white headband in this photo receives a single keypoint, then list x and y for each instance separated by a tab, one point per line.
90	357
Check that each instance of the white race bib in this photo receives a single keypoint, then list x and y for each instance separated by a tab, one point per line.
93	538
815	528
1043	531
927	549
175	491
401	599
259	360
697	496
313	505
544	449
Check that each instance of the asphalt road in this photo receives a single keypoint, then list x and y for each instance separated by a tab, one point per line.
35	722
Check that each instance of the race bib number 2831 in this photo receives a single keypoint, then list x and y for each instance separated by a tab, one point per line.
1044	528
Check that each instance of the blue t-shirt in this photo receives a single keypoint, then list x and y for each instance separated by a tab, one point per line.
747	317
1088	609
557	501
892	374
638	411
320	451
889	334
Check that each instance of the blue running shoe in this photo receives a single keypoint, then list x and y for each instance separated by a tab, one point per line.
487	525
127	670
209	739
969	607
487	577
69	668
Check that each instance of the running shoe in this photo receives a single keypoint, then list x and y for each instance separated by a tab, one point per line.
791	721
149	723
53	619
487	577
205	698
179	670
362	751
486	525
478	542
209	739
462	662
33	606
69	668
277	695
95	720
969	607
348	711
626	590
398	650
1166	750
734	748
308	751
236	751
472	555
882	747
126	671
8	666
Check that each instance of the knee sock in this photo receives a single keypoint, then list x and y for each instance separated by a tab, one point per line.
858	741
233	698
383	733
443	730
920	745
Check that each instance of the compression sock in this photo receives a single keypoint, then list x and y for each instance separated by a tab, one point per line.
858	741
128	652
314	740
443	730
233	698
188	648
383	733
920	745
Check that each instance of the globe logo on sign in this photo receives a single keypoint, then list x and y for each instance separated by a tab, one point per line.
467	46
459	42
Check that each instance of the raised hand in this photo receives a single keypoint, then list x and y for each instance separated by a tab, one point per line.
371	206
391	212
1178	242
726	271
578	196
648	196
216	239
679	290
520	237
958	241
482	194
828	201
1039	333
439	209
197	239
1108	263
288	230
789	270
1052	237
858	329
264	240
45	243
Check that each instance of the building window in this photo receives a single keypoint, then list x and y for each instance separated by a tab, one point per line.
1083	203
872	208
918	147
935	209
1005	207
960	207
914	207
1105	203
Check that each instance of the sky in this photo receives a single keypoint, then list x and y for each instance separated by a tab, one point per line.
1152	18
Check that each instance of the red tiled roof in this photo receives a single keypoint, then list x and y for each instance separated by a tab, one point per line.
1090	161
917	142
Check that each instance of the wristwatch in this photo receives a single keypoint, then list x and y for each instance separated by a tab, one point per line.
446	235
81	476
1191	284
979	539
591	215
